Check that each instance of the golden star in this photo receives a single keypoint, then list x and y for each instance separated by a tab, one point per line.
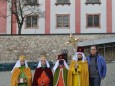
72	41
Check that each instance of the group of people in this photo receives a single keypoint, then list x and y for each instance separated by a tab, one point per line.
81	72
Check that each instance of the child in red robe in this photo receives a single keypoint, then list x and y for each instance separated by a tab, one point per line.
43	75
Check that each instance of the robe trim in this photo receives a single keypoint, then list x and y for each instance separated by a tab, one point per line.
62	77
79	79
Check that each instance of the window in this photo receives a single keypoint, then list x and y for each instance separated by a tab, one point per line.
93	2
31	21
93	20
63	21
32	2
63	2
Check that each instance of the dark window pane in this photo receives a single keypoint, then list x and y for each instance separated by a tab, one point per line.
66	25
96	20
60	1
31	1
59	21
65	21
96	1
28	21
59	25
59	17
90	21
28	0
65	17
63	1
92	1
66	1
89	0
34	21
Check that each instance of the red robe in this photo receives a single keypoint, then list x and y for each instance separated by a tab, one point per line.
39	72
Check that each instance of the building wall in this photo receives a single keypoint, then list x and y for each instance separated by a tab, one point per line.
93	9
11	47
8	25
77	10
41	23
113	16
62	9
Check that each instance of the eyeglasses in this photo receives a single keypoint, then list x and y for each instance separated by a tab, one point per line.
92	49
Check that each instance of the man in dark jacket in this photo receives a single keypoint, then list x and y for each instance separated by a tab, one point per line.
97	67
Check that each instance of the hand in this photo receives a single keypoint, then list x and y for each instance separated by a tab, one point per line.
76	66
25	80
18	81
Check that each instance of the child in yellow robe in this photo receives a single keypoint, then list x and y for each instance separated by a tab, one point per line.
21	74
78	71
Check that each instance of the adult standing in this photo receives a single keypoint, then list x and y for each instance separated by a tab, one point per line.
97	67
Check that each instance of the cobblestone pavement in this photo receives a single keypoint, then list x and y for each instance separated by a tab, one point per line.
110	78
108	81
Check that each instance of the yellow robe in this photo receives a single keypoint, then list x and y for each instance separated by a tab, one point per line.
79	77
17	72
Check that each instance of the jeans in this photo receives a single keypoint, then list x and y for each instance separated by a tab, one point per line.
94	81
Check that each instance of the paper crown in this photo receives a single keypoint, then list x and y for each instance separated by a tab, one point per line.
60	57
43	57
22	57
80	49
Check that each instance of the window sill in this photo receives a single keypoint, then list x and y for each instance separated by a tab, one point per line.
62	4
62	27
93	27
92	3
32	4
34	27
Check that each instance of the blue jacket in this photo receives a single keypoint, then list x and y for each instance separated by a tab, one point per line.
101	64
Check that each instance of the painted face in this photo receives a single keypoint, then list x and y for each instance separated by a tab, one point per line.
93	50
22	62
79	55
43	62
61	62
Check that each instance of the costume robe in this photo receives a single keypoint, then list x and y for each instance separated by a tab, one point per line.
21	73
60	77
79	77
43	75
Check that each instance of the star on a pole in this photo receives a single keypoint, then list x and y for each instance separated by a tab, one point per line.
72	41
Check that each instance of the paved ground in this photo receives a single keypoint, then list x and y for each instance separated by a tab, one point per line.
108	81
110	78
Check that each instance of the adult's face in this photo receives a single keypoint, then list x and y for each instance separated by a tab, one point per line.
22	62
43	62
93	50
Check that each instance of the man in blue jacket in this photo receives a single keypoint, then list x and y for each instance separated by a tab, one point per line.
97	67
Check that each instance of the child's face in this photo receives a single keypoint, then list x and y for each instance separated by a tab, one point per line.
61	63
43	62
22	62
79	55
